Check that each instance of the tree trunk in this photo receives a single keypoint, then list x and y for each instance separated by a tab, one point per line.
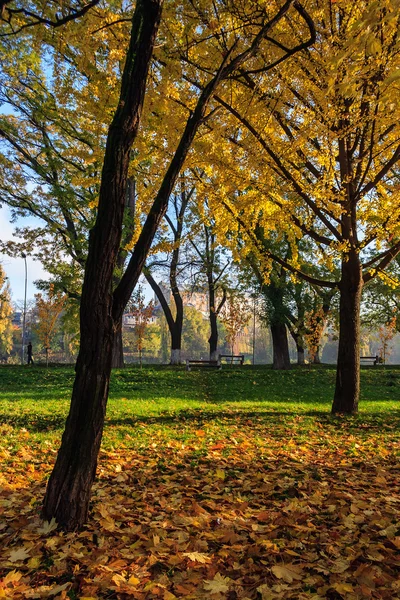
117	361
347	389
175	356
176	341
174	324
300	354
281	359
68	491
213	339
317	359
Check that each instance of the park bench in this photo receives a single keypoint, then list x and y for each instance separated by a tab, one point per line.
376	360
233	359
210	364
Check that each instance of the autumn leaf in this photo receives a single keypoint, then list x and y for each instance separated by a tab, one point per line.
340	566
12	577
197	557
217	585
288	572
48	527
220	474
19	554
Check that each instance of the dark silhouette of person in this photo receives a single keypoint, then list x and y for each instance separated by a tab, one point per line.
29	351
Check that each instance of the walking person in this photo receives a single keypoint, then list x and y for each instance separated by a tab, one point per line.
29	351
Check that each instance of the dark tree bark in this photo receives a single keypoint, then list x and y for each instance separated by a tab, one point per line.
278	320
68	491
347	389
212	281
317	358
281	359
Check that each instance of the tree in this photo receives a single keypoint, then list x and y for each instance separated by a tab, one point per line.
142	313
48	311
6	312
325	146
235	315
194	333
386	334
68	491
175	219
53	131
211	265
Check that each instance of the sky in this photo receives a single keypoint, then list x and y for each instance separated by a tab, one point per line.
15	267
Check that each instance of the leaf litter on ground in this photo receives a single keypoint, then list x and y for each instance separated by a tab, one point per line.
243	521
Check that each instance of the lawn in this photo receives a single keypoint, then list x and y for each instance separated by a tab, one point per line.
233	484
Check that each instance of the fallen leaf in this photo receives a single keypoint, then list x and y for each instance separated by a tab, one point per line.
217	585
197	557
19	554
12	577
288	572
48	527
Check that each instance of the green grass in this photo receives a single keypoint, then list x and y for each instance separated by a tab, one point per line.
157	404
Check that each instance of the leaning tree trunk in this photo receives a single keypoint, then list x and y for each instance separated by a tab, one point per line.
69	487
280	346
347	389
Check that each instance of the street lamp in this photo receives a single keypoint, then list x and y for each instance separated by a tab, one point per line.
24	315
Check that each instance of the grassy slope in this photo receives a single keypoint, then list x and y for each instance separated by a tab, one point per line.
160	401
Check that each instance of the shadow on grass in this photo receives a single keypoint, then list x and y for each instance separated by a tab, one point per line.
275	420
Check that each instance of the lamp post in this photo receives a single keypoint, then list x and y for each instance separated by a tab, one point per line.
24	314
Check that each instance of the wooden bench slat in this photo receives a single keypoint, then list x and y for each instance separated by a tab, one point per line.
238	358
212	364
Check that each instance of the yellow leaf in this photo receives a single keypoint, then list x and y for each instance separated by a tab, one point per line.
133	580
118	579
107	524
288	572
265	591
197	557
220	474
34	562
12	577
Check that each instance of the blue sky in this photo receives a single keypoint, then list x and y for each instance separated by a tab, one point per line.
15	267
